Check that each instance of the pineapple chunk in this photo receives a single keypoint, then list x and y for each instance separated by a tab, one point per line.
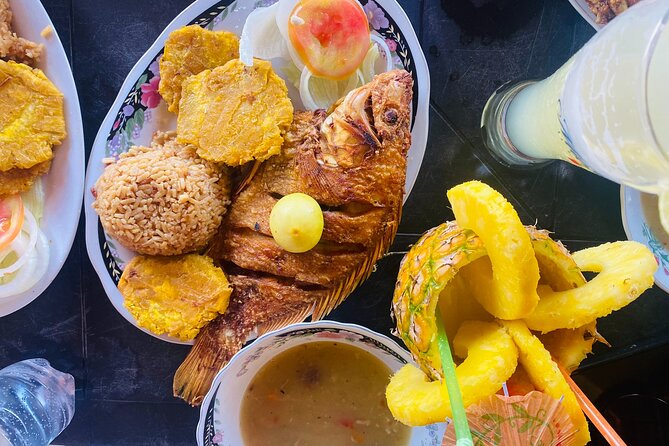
457	305
491	358
625	271
557	267
569	347
415	400
546	376
510	290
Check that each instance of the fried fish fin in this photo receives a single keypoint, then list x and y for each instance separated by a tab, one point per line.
361	273
214	346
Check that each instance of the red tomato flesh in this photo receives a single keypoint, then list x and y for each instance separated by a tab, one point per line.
11	219
330	36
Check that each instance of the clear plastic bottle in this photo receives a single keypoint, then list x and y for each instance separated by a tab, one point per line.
36	403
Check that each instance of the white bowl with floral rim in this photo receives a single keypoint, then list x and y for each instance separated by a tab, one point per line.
641	220
219	423
139	112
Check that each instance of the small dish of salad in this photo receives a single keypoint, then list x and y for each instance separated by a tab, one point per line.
38	220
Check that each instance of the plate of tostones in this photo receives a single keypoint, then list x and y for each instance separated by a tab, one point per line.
41	154
253	168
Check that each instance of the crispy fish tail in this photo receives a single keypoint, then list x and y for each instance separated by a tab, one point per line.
213	347
258	304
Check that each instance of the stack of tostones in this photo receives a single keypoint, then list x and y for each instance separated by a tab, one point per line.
235	113
493	280
231	112
31	122
189	51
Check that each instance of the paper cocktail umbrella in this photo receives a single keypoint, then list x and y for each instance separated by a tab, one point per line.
534	419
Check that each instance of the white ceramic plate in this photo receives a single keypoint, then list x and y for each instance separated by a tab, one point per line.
219	413
641	221
139	111
582	7
64	184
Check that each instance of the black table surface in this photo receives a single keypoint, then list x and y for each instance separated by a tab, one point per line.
124	377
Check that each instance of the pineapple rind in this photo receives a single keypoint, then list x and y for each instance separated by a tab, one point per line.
424	272
546	376
491	358
556	265
625	271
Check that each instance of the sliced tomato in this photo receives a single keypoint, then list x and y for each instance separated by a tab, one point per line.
11	219
330	36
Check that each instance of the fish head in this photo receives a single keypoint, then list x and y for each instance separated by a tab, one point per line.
368	119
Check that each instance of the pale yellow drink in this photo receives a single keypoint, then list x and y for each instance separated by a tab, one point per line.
533	118
606	109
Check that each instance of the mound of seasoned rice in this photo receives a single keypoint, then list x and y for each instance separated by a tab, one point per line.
162	200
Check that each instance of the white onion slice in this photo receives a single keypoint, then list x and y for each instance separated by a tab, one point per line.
261	37
31	228
312	104
284	9
386	50
35	266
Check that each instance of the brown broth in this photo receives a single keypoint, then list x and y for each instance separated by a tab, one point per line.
324	394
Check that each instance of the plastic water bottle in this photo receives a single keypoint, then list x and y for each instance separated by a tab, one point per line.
36	403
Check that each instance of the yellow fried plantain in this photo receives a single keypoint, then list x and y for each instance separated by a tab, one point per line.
176	296
235	114
191	50
32	117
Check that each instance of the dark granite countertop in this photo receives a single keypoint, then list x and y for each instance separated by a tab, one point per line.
124	377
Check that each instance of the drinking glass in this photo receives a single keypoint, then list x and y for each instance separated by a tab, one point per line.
606	109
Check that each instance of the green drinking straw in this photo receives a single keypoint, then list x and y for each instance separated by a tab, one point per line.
462	434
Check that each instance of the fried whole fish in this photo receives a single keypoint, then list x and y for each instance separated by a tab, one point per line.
353	163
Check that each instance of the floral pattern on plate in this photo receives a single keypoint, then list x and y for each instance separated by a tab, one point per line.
642	224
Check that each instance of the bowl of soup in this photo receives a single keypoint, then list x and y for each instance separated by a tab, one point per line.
320	383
